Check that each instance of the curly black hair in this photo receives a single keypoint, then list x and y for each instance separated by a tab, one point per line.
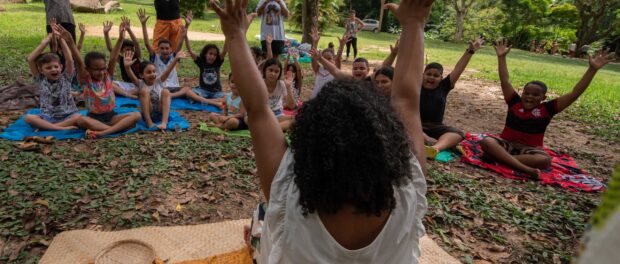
349	148
202	58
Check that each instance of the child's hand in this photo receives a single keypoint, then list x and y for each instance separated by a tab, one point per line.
411	11
314	35
315	54
182	30
251	17
601	58
126	22
233	18
394	49
182	55
269	39
142	16
107	26
476	44
188	18
345	38
128	58
47	39
53	22
121	30
82	28
61	32
502	48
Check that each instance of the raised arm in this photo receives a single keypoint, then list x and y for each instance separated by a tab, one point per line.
389	61
260	9
69	66
407	83
128	60
267	138
32	58
289	99
189	48
474	46
502	49
143	19
183	31
283	8
116	51
596	63
224	51
268	41
82	33
137	49
107	26
314	34
331	68
172	65
341	43
73	54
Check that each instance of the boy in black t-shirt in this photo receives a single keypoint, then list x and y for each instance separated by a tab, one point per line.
520	143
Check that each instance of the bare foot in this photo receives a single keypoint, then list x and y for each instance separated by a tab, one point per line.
534	174
149	124
163	126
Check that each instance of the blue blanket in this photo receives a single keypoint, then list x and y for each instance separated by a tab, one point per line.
175	104
20	129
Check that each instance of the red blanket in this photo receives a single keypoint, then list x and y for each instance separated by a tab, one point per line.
563	171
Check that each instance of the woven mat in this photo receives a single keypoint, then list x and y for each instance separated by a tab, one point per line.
182	244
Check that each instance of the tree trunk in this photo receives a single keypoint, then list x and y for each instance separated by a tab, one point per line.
309	19
460	27
381	15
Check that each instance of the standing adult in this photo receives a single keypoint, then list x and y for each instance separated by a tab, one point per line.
272	13
353	25
168	22
59	12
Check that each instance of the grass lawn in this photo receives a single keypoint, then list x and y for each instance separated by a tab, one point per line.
142	179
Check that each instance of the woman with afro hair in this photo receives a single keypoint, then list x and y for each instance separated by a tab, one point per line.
349	188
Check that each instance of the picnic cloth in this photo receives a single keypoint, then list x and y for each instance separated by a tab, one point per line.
563	172
236	133
446	156
20	129
175	104
195	244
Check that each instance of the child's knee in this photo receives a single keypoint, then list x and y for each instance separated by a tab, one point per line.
165	93
486	143
545	161
144	93
31	118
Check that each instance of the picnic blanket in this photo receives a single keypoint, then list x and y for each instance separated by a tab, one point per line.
175	104
236	133
563	172
20	129
446	156
197	244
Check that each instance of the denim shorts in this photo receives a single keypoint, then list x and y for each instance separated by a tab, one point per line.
56	120
206	94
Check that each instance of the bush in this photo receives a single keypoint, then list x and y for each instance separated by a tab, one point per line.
197	6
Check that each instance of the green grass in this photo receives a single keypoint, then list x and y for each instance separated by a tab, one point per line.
600	104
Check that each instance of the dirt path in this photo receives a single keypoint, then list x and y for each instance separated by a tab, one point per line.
193	35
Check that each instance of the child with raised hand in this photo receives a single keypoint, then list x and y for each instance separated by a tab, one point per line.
295	74
520	145
321	75
58	110
96	79
209	61
125	86
165	55
359	70
349	184
234	112
435	89
280	91
154	99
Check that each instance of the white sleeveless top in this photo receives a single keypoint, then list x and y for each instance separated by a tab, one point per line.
160	67
289	237
322	77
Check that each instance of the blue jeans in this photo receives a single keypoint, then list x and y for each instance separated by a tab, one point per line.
206	94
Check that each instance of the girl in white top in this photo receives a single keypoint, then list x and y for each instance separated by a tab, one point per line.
280	91
349	189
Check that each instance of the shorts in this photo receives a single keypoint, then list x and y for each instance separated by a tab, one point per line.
105	118
55	120
519	149
278	113
277	46
242	125
127	86
173	89
436	130
206	94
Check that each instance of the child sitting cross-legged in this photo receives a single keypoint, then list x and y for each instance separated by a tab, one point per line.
154	99
234	111
209	61
58	110
520	145
96	80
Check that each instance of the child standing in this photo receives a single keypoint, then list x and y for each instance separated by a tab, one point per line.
58	110
98	93
164	55
210	62
520	143
234	113
349	184
154	99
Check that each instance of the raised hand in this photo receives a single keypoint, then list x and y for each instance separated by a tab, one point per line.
394	49
182	55
107	26
142	16
501	47
601	58
251	17
53	22
314	35
126	22
188	18
288	79
345	38
315	54
82	28
61	32
269	39
476	44
233	18
128	59
121	30
411	11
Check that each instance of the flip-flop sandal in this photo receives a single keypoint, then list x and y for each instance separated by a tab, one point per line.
431	152
27	146
90	134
